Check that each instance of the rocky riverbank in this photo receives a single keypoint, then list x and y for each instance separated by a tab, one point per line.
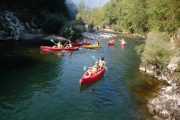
12	28
166	105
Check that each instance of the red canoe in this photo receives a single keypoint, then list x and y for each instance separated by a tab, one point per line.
51	48
80	43
58	49
76	44
123	43
111	43
87	79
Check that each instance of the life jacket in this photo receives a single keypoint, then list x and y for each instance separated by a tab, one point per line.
101	63
59	45
94	69
70	45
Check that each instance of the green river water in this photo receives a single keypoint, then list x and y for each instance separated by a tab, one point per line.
36	85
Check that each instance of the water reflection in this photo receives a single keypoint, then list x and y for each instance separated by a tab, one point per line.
50	52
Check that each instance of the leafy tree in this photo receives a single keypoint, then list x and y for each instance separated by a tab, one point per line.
157	49
73	29
164	15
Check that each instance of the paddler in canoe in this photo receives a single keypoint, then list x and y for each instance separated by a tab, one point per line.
111	41
69	45
58	45
97	66
101	62
97	44
94	69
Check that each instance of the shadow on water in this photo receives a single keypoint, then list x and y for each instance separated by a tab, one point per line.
24	70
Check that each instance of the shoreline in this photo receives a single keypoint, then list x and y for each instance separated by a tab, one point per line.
166	104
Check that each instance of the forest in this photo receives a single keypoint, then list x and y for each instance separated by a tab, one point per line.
134	16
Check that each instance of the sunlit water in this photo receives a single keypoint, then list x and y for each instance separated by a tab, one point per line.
36	85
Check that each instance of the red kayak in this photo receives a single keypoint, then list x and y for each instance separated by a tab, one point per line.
58	49
71	49
87	79
76	44
123	43
80	43
111	43
50	48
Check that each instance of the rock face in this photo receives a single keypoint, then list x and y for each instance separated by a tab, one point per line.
167	104
12	23
12	28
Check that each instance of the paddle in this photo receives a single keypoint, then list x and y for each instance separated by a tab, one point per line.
53	41
84	68
67	41
105	67
94	58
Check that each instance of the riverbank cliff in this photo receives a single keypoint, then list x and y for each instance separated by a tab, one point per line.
166	105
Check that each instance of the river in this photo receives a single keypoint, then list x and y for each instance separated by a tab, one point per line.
45	86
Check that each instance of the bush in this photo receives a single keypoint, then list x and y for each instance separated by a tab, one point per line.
139	49
157	49
53	23
73	29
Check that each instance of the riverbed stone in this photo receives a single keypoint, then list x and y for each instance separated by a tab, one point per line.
166	105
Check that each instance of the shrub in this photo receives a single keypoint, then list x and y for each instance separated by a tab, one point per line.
157	49
73	29
139	49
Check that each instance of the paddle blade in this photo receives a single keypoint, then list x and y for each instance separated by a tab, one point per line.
84	68
93	57
105	67
70	37
51	40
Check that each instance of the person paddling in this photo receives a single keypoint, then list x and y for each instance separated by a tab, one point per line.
98	44
101	62
69	45
94	69
59	45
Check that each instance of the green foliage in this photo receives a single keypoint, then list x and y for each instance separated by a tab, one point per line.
52	24
135	16
139	49
157	49
73	29
164	15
